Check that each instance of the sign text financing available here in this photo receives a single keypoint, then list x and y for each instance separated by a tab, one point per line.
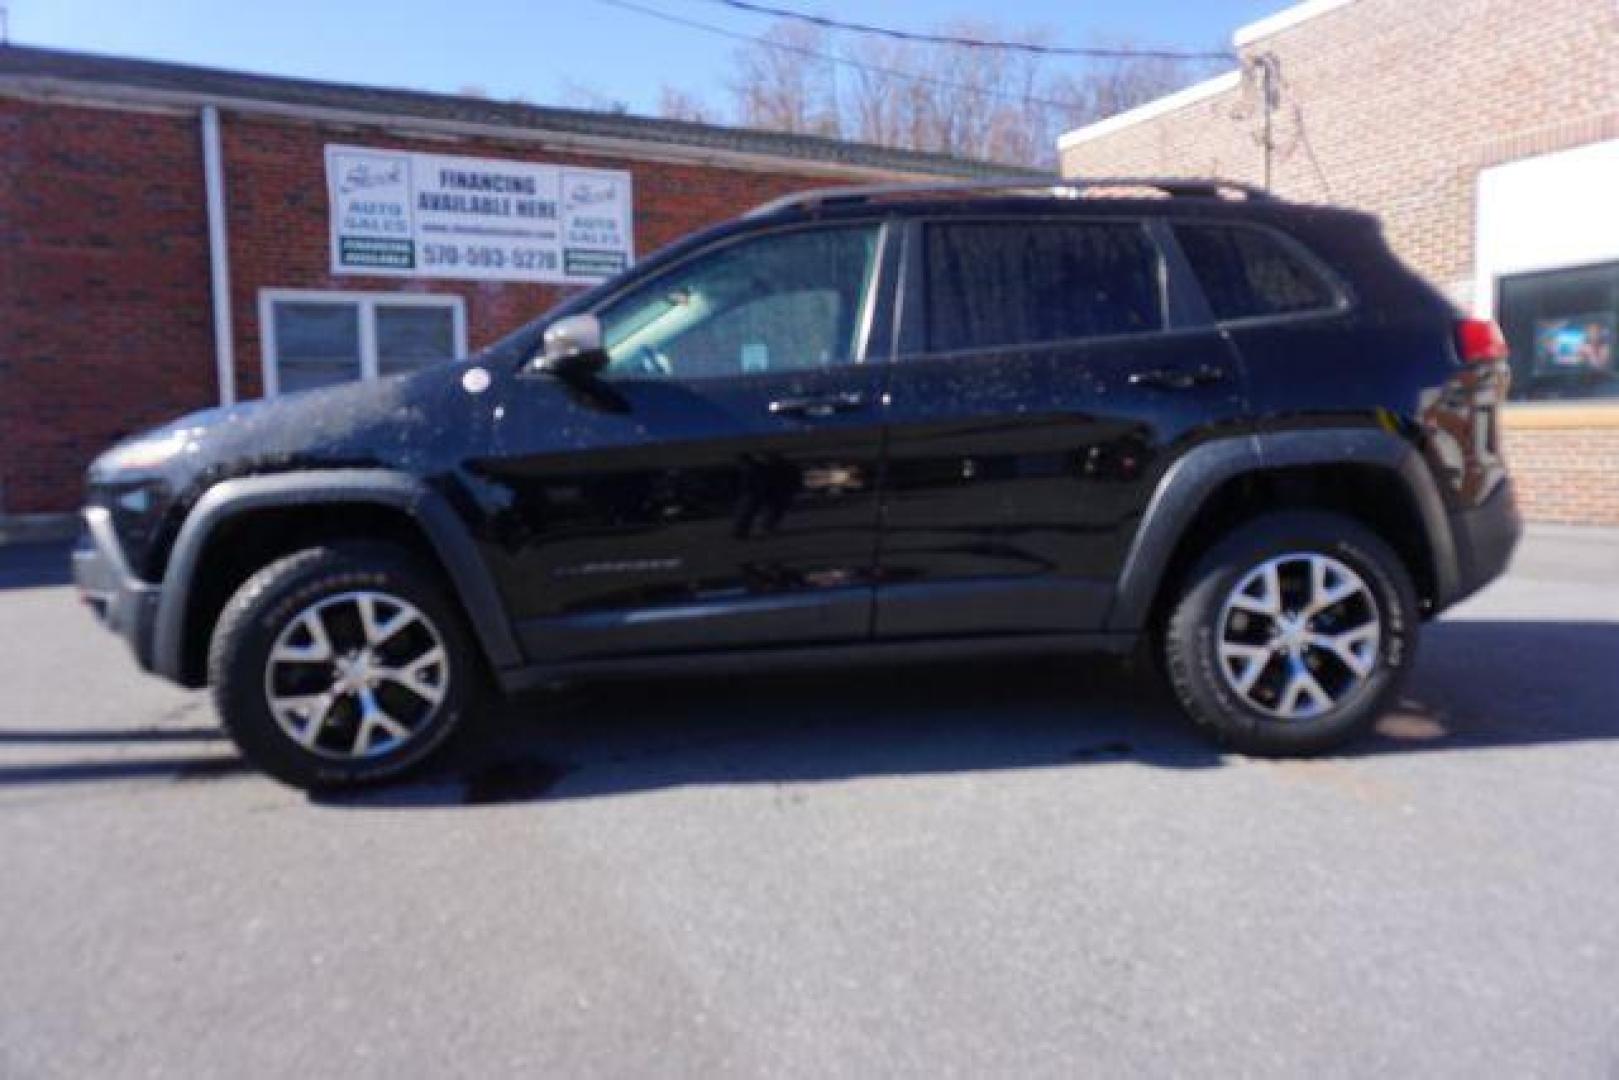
428	215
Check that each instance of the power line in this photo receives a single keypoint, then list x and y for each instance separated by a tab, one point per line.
875	69
1092	53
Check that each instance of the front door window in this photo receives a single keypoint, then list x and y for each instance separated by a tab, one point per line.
785	302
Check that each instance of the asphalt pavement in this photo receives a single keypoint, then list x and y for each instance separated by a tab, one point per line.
1029	869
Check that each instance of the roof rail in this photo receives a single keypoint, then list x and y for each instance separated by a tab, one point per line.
1035	186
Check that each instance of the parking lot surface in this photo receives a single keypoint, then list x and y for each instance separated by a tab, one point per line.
1005	868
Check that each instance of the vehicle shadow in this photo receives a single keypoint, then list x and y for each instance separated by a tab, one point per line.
1478	684
175	765
53	736
76	772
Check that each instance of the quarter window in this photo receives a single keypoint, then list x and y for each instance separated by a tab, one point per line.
788	301
316	339
1001	283
1248	273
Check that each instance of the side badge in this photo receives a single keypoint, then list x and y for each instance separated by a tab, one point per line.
475	381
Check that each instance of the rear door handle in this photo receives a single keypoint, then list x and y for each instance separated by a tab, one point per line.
818	407
1178	378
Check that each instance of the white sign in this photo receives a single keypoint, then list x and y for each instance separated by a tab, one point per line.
401	214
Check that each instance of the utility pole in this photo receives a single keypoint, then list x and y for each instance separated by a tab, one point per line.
5	26
1270	94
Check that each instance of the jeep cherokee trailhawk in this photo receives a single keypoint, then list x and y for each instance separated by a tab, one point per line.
852	425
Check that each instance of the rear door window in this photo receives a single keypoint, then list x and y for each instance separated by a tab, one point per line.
1251	273
993	284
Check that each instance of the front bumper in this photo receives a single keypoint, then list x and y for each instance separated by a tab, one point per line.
1485	538
122	602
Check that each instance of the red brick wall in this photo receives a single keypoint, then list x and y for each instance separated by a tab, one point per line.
10	241
105	311
276	176
104	316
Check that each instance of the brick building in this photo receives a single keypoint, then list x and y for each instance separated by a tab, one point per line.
167	236
1485	134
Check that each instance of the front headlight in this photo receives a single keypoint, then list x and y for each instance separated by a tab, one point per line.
139	503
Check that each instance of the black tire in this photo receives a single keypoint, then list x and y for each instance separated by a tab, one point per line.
1190	638
276	596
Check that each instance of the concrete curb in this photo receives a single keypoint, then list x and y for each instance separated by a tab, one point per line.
1584	534
1568	553
37	528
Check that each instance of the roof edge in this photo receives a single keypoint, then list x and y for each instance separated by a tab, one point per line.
1191	95
1285	19
52	75
72	92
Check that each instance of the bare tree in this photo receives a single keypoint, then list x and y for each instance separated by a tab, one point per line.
577	95
1113	86
874	99
949	99
995	104
786	85
677	104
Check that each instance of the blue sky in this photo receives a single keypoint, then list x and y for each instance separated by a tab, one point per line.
539	48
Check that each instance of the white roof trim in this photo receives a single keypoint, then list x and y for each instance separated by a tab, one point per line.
49	90
1283	20
1169	103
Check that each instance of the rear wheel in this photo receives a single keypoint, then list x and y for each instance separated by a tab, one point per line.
1292	634
340	665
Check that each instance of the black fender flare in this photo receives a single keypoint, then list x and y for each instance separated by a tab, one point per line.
1187	484
445	533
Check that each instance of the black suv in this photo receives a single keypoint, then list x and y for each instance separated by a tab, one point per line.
852	425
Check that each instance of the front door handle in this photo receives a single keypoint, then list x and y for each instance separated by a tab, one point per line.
1178	378
817	407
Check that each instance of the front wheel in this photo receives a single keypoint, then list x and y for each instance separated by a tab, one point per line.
1292	634
340	665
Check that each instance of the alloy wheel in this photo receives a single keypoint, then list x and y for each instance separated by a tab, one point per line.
1298	634
356	675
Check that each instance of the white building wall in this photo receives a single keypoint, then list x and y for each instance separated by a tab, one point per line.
1544	213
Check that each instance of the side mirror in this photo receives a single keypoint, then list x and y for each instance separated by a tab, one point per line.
573	347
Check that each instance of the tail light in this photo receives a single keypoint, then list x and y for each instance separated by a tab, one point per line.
1479	341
